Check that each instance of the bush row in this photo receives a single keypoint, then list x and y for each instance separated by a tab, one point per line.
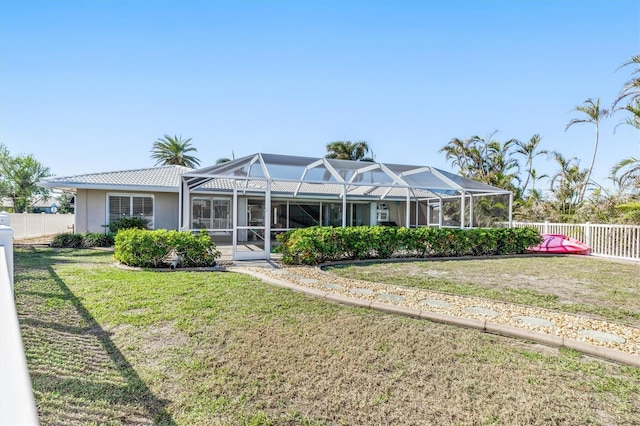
156	249
97	239
311	246
84	240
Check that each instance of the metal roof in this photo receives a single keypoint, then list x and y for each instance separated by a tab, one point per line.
288	176
293	175
157	179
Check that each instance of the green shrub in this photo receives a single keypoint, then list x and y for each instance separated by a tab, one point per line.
310	246
97	239
155	249
84	240
133	222
67	240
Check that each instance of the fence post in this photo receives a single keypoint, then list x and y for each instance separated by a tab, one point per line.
16	392
6	240
587	233
545	228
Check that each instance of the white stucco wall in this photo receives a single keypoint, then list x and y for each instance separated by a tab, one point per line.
166	210
81	211
91	209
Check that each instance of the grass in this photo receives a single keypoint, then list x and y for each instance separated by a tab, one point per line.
109	346
573	284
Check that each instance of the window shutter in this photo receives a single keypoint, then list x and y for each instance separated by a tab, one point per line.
119	206
143	207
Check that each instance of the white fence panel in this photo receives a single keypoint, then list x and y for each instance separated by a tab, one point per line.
617	241
34	225
17	403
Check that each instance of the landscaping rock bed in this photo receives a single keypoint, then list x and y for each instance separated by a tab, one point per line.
583	329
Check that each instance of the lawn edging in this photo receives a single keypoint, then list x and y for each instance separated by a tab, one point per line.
554	341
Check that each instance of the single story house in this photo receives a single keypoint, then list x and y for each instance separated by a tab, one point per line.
100	198
246	202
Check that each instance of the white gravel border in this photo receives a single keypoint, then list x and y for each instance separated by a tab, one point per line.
570	331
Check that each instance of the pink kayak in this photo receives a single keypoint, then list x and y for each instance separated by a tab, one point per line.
560	244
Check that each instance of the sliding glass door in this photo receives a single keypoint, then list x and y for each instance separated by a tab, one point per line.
251	240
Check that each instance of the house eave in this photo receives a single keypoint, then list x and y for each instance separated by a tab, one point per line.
111	187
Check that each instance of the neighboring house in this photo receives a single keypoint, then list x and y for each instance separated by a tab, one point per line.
246	202
41	205
151	193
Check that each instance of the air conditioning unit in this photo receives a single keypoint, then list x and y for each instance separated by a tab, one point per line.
382	213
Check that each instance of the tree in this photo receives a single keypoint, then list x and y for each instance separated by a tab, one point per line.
500	168
174	151
485	159
630	212
19	177
66	202
530	151
626	174
631	88
594	114
459	152
223	160
567	184
347	150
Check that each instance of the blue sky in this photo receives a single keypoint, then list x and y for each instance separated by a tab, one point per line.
88	86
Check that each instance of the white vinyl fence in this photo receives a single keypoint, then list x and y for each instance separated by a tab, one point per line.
17	403
618	241
34	225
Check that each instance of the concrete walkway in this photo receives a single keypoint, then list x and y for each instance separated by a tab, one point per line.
594	337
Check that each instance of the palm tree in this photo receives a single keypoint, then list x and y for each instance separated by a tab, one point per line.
530	151
568	184
485	160
634	109
173	151
535	178
594	115
626	173
459	152
347	150
632	87
500	168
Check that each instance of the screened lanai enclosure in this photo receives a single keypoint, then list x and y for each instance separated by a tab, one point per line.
244	203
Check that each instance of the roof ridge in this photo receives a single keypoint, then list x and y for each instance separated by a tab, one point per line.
111	172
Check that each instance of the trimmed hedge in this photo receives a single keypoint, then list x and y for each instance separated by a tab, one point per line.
83	240
155	249
128	223
314	245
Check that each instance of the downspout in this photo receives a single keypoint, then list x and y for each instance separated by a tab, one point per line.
267	221
180	204
510	209
234	244
462	209
344	206
470	210
408	210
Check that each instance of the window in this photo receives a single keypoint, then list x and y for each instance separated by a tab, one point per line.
128	205
221	214
304	215
332	214
279	211
201	214
211	213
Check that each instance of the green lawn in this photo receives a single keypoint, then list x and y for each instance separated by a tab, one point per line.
112	346
574	284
